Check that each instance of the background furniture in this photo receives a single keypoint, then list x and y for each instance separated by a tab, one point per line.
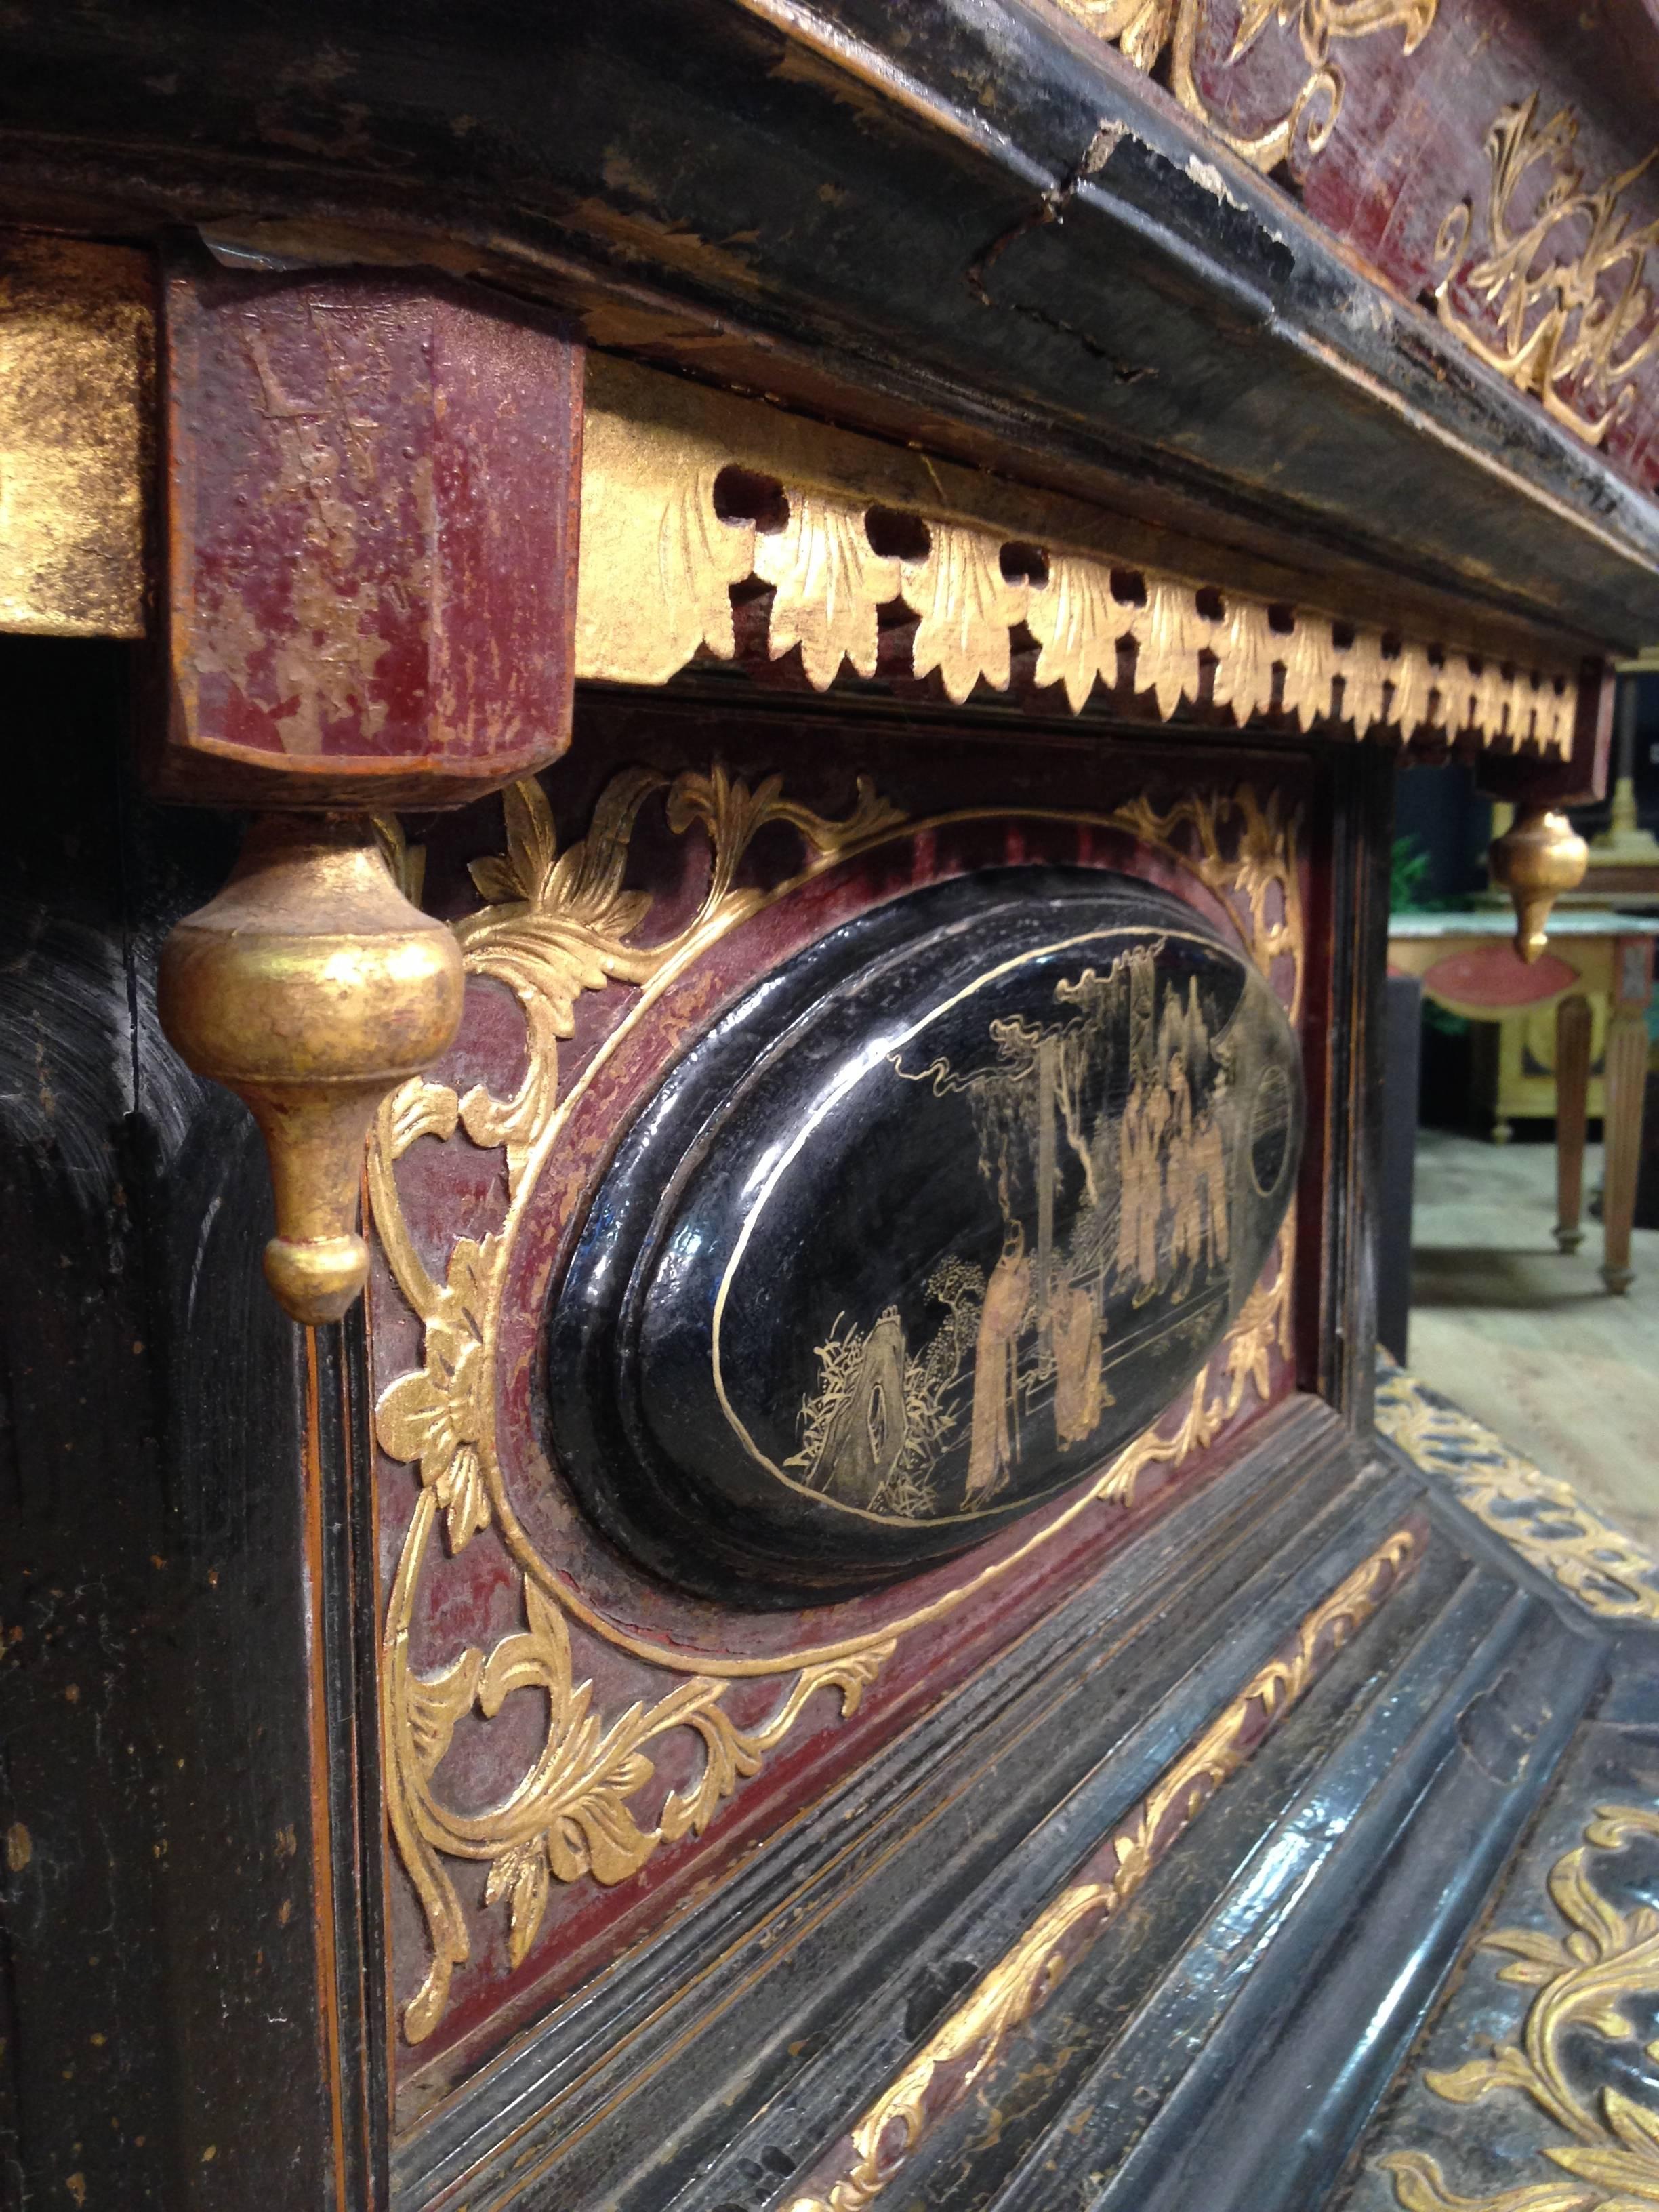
1466	964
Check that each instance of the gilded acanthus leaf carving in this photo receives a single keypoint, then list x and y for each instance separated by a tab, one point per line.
732	1755
436	1414
1412	702
1557	709
554	924
701	557
1460	690
1309	660
1364	676
828	583
1138	28
1584	1980
1261	868
658	560
1169	634
1077	620
419	1108
1245	649
732	813
965	608
1488	697
1566	286
1517	706
436	1702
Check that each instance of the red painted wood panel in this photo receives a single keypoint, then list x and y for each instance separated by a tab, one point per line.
1496	975
372	497
474	1597
1389	143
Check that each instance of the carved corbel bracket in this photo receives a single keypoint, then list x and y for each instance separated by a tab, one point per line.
371	491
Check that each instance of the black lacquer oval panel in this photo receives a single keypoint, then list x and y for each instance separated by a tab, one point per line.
925	1229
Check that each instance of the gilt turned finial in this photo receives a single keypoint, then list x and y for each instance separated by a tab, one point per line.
311	987
1540	856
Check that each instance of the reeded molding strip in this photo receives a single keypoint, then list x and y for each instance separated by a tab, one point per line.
1544	1519
942	2074
688	492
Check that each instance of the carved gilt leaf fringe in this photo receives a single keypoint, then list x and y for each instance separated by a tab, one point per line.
661	553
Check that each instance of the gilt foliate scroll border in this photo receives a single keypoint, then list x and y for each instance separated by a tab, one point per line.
1607	2157
553	924
843	528
943	2072
1148	32
1561	266
1544	1519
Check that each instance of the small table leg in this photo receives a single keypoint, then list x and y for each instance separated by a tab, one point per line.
1572	1068
1626	1066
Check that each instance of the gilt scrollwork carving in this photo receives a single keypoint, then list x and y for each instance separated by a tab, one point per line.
1544	1518
942	2073
1584	1979
552	924
1562	269
1145	32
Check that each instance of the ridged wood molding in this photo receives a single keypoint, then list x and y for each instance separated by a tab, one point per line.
976	2038
883	561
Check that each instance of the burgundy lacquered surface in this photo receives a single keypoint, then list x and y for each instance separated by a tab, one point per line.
372	497
1409	145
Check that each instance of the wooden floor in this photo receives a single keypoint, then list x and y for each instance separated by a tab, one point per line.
1524	1337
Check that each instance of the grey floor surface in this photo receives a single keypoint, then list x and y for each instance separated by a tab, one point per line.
1526	1338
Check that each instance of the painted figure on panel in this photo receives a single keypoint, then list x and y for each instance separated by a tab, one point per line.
1104	1138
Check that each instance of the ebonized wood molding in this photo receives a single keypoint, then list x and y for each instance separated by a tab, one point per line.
819	202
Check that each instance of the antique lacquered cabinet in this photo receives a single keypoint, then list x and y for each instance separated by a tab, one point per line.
701	706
